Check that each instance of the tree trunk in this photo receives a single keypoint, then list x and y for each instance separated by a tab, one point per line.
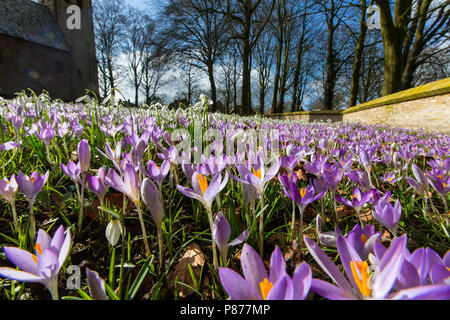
393	32
213	87
330	80
358	55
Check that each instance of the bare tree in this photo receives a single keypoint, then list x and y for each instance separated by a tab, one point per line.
414	29
247	19
138	31
108	26
199	35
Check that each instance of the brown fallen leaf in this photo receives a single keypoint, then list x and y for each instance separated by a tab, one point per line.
366	215
344	211
194	257
113	200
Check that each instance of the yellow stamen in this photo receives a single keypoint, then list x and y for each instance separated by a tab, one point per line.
302	192
362	283
257	173
38	248
363	238
265	287
202	182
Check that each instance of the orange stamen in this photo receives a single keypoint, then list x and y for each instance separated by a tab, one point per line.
257	173
202	182
362	282
38	248
265	287
363	238
302	192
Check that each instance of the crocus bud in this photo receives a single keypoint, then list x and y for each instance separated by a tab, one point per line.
221	233
96	285
84	155
113	232
153	201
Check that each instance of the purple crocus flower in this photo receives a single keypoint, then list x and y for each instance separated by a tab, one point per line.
8	188
258	285
206	194
317	165
158	174
202	191
364	281
259	177
390	178
221	235
363	239
302	198
357	201
45	265
360	177
388	215
10	145
96	285
97	184
421	184
113	154
47	134
72	170
129	185
84	155
359	284
422	267
152	199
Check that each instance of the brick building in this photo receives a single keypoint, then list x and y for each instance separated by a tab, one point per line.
38	51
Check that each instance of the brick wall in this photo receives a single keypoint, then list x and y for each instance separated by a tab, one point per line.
431	114
425	107
25	65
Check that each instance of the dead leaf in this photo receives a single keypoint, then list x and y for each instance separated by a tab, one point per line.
193	256
366	215
344	211
113	200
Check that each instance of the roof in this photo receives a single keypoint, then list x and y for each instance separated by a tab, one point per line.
30	21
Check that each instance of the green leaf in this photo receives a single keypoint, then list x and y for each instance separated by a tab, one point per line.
139	278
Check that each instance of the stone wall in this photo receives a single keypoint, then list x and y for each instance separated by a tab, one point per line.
425	107
24	64
431	114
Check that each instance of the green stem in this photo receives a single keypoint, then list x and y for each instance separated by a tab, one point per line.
214	249
32	221
161	248
300	231
293	221
122	257
144	233
15	219
261	226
